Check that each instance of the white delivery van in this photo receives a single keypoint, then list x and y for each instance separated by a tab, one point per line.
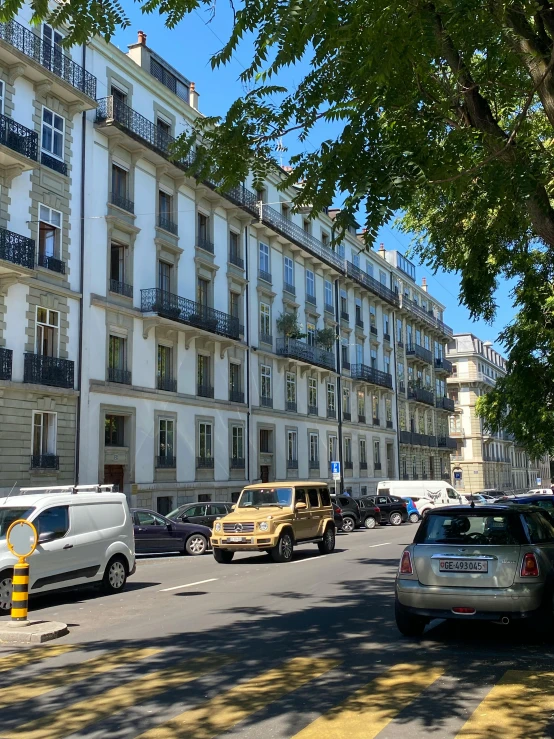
426	494
85	535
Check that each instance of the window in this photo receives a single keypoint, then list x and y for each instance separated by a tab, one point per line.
359	320
49	235
399	330
382	277
52	40
52	133
372	316
291	387
292	446
265	385
375	406
1	97
234	244
164	204
344	355
203	228
237	442
117	263
409	335
388	410
165	366
373	358
347	449
166	436
400	371
264	258
119	181
118	95
330	396
314	447
203	292
386	323
117	353
307	225
310	283
203	368
376	452
310	334
332	449
205	440
265	319
328	294
266	446
363	451
359	352
44	434
324	238
235	383
234	304
47	332
356	258
53	523
369	268
343	302
164	127
289	272
386	358
164	276
346	400
361	403
312	392
114	430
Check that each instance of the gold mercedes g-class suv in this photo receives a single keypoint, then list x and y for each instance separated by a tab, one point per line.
274	518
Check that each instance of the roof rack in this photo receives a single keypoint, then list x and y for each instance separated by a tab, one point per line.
71	489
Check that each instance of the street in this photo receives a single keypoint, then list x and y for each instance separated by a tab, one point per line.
254	649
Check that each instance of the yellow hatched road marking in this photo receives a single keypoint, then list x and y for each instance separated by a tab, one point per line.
367	711
77	716
68	674
33	654
519	706
226	710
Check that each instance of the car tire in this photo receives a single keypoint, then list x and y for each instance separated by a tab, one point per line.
6	592
407	623
284	548
395	518
348	524
370	522
196	545
115	575
328	544
223	556
414	517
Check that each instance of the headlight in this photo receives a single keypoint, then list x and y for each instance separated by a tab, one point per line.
217	526
264	526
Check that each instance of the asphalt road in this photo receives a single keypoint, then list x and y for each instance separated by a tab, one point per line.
256	650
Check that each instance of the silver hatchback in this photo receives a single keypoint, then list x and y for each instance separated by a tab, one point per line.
494	562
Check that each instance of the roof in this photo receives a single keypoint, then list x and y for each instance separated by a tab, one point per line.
29	501
482	509
287	484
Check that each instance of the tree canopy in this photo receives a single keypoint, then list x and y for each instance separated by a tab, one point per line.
446	116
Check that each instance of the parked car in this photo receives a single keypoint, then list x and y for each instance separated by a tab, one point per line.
543	501
370	514
351	517
540	491
492	562
413	514
479	499
425	494
156	533
338	516
393	510
202	513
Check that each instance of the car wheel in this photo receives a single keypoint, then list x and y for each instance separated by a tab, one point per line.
328	544
407	623
5	593
370	522
414	518
282	552
348	524
223	556
395	519
115	575
196	545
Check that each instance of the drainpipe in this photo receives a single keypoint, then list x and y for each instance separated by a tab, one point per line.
247	337
395	383
338	399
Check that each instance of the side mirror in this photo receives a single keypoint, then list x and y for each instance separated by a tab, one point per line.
46	537
300	506
184	518
169	526
233	507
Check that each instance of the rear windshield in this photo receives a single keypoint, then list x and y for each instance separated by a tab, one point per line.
540	527
469	529
9	515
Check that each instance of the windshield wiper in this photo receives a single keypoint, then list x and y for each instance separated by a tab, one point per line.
279	505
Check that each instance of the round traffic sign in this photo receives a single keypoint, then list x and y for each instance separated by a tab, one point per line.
22	538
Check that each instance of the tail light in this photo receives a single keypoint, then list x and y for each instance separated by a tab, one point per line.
406	564
377	509
404	505
529	566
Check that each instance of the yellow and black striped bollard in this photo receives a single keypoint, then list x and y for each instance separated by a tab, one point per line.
20	592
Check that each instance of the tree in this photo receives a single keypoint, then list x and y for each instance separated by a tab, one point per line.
445	111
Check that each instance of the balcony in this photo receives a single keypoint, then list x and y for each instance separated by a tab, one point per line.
167	383
348	464
359	323
266	402
236	396
401	387
167	224
45	462
16	249
121	376
386	337
371	375
389	424
390	296
266	338
71	82
423	439
329	308
346	416
312	410
122	202
419	352
292	464
344	316
121	288
204	463
183	310
445	442
290	406
53	371
235	259
331	413
421	395
427	317
265	276
6	356
289	288
346	365
361	419
18	145
58	165
447	404
313	464
237	463
443	365
311	299
51	263
405	437
204	391
295	349
373	331
376	421
205	244
377	466
166	462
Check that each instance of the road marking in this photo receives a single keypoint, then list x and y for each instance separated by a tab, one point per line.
384	544
367	711
34	654
301	561
188	585
77	716
68	674
227	709
519	706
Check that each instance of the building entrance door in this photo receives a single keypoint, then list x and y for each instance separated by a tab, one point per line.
114	475
264	473
431	468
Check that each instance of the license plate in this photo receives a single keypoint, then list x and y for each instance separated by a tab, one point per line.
463	565
240	539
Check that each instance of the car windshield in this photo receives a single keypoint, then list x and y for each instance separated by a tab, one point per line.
469	529
540	527
9	515
176	512
259	497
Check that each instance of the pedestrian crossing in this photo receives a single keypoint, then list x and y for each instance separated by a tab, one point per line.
149	692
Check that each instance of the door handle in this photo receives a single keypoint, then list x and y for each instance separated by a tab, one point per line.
68	546
140	528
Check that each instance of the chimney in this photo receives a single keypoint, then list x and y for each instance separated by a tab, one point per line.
424	283
193	96
381	251
141	38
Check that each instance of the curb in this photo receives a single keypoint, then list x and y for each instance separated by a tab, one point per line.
33	632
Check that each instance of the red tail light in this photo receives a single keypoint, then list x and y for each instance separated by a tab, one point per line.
404	505
377	509
530	566
406	564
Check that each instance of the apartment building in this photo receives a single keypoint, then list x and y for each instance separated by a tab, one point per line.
174	340
484	460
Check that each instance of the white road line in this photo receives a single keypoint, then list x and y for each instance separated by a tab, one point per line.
384	544
188	585
300	561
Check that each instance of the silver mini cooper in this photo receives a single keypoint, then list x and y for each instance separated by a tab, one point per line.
492	562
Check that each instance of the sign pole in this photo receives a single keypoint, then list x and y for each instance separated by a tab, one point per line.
22	539
20	592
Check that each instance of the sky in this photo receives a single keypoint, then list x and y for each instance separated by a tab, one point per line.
189	47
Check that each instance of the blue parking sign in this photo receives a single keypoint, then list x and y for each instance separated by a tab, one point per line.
335	468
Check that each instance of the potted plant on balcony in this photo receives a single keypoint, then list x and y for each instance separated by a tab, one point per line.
325	338
288	325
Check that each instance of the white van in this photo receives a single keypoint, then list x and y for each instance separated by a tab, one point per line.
85	535
426	494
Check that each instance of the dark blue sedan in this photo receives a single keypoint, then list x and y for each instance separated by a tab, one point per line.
156	533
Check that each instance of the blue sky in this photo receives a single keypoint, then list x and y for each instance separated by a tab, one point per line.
189	47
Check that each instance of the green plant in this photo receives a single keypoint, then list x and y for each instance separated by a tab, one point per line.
325	338
288	325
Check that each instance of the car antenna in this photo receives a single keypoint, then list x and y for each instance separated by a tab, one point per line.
11	491
472	504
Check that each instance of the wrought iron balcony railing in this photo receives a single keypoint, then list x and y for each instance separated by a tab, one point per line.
331	413
18	138
52	371
45	462
49	56
361	419
389	424
291	406
346	416
205	391
346	365
386	337
415	350
348	464
376	421
121	288
167	224
442	364
426	316
312	410
266	401
6	356
369	374
266	338
446	404
363	465
58	165
296	349
292	464
311	299
205	244
359	323
122	376
204	463
166	462
390	296
288	288
329	308
377	466
237	463
236	396
17	249
445	442
51	263
344	315
421	395
405	437
168	305
265	276
374	331
167	383
235	259
313	464
120	201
